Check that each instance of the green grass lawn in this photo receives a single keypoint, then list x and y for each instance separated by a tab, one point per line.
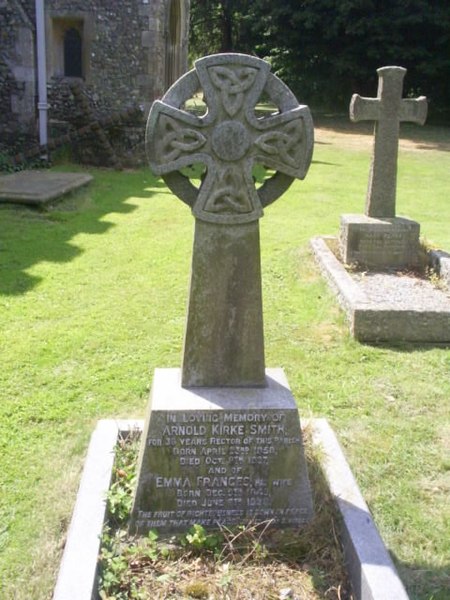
92	298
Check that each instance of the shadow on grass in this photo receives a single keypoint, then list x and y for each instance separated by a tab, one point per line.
321	162
425	581
29	236
407	347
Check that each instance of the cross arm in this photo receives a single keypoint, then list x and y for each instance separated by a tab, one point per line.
174	139
414	110
285	142
364	109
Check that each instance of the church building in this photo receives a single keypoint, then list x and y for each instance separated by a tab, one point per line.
122	53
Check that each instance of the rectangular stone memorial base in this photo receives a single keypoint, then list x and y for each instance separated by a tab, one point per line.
388	306
225	456
388	243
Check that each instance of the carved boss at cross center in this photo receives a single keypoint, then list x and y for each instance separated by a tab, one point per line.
229	139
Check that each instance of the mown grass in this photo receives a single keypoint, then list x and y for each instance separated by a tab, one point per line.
92	299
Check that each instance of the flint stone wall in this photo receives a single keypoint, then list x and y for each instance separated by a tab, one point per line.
118	66
124	56
17	78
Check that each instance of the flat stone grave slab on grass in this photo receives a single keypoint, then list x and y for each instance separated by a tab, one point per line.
389	306
39	187
371	571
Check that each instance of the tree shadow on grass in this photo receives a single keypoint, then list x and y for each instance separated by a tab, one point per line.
31	235
425	581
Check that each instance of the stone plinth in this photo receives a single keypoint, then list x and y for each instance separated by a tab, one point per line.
375	243
224	456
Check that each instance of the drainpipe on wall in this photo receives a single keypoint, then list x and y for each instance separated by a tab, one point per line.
42	77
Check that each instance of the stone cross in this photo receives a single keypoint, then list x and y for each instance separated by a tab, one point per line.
224	344
387	110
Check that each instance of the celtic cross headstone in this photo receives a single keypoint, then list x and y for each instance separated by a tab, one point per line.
223	442
379	238
224	344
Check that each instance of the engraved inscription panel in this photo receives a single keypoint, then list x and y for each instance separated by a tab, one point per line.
223	467
393	243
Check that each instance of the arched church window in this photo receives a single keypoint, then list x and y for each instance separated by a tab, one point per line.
73	52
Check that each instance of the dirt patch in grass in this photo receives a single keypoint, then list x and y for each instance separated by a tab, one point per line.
339	130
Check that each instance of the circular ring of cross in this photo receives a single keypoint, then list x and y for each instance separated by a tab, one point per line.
229	139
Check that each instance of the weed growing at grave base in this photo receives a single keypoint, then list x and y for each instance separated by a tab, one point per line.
120	495
93	295
435	279
254	561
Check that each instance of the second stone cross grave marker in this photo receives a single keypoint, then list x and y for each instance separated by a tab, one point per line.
222	442
388	110
379	239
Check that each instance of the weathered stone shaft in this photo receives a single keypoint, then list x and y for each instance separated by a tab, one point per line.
224	340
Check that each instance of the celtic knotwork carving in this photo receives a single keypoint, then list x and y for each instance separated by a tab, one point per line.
284	143
232	83
229	139
229	195
176	139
